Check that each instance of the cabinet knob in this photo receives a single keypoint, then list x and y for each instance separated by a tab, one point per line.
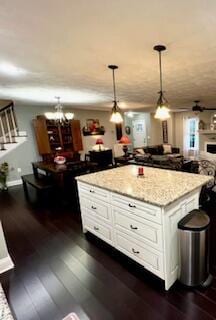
92	191
133	228
96	228
134	251
132	205
93	207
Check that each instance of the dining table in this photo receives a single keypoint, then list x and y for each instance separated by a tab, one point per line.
63	175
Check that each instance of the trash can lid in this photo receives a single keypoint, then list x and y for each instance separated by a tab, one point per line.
196	220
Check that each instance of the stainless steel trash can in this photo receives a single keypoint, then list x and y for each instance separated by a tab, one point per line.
194	249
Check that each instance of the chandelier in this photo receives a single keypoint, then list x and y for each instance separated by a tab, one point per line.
58	115
116	116
162	111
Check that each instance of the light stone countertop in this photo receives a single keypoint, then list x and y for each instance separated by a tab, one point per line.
158	187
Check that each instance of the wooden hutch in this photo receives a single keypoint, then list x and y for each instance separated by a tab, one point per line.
53	138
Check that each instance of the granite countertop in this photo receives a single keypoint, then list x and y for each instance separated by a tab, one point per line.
158	187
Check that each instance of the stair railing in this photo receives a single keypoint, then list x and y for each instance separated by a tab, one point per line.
8	125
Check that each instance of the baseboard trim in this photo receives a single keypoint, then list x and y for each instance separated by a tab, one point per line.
14	183
6	264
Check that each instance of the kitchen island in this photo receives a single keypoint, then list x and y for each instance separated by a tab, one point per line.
139	215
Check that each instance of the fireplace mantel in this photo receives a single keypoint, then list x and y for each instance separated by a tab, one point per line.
208	132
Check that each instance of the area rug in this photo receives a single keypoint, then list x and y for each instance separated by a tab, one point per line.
5	313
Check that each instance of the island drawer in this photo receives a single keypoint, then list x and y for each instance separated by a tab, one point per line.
96	207
139	208
151	259
93	192
144	230
97	228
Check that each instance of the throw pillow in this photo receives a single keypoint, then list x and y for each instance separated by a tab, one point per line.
203	155
167	148
140	151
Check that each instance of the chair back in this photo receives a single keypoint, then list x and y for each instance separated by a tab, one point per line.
118	150
102	158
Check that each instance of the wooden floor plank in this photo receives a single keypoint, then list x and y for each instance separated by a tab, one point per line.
19	300
59	270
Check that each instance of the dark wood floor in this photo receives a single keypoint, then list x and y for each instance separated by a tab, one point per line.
59	270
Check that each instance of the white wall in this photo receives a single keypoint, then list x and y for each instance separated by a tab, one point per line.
154	128
23	156
157	133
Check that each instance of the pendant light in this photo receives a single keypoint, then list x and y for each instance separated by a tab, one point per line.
59	116
116	116
162	111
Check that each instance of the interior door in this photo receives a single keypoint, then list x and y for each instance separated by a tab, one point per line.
139	133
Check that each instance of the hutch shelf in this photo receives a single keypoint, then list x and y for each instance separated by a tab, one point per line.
52	137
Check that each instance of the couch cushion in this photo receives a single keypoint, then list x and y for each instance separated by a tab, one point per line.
160	158
167	148
153	150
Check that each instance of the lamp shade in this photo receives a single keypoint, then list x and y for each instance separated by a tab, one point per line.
99	141
116	117
162	113
125	140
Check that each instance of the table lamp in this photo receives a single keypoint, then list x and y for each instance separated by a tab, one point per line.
99	142
125	141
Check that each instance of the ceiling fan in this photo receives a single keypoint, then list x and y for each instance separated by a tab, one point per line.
198	108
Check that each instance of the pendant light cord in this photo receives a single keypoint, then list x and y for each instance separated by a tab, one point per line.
114	86
160	67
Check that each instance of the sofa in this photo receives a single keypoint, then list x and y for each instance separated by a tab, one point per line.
159	149
162	156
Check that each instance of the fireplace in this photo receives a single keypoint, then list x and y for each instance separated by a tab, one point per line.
210	147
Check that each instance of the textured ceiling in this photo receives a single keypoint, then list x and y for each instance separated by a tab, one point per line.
66	46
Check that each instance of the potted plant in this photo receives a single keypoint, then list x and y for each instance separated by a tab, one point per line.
4	169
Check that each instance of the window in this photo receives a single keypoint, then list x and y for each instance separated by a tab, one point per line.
191	135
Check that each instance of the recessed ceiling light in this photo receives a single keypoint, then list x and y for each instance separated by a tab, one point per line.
11	70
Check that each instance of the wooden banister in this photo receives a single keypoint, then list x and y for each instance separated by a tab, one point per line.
8	124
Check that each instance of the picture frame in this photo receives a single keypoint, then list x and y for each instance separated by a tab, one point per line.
165	131
93	127
127	130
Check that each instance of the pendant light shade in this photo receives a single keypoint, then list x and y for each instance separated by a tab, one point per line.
116	116
162	111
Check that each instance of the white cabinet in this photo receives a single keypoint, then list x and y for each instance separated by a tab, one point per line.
137	208
96	208
143	230
151	259
98	228
146	233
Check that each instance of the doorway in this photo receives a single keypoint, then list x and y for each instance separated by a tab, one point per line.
139	133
